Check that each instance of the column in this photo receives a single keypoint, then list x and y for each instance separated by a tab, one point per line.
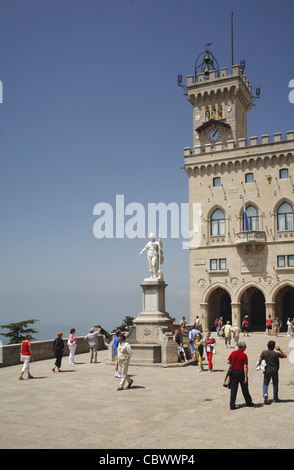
204	320
236	313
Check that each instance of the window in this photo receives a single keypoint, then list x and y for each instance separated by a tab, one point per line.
216	181
218	223
285	217
284	261
252	216
223	264
213	264
284	173
218	264
249	178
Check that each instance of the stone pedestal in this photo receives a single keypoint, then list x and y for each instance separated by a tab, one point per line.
151	336
154	304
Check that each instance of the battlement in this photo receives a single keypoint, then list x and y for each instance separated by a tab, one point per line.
265	139
213	80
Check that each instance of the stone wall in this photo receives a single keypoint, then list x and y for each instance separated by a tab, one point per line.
42	350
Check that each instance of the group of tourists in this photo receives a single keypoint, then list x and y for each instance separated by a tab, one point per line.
26	353
272	326
268	361
276	325
226	330
199	343
122	352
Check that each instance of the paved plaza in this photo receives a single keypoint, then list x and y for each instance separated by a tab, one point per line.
167	408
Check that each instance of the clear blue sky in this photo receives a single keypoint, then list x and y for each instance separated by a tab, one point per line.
91	109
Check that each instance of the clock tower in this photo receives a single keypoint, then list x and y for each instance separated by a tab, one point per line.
241	196
220	103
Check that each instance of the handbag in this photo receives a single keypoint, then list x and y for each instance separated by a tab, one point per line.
54	347
227	381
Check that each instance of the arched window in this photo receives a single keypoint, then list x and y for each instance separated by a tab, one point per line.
252	216
285	217
218	223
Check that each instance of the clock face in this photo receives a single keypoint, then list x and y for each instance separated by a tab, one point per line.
214	134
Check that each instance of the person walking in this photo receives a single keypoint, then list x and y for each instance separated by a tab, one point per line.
58	348
209	347
221	324
192	337
124	354
236	334
277	325
245	325
26	356
199	348
272	359
92	338
239	375
228	331
115	345
269	323
72	344
217	326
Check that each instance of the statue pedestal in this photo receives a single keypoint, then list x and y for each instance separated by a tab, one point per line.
151	336
154	304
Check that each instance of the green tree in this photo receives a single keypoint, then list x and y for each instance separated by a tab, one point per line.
127	321
18	331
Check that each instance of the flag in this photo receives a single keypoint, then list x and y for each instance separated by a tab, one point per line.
246	223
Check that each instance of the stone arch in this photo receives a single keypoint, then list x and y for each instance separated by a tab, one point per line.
283	298
213	208
280	201
218	299
252	300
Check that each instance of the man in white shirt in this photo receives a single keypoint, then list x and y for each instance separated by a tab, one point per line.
227	330
124	354
92	338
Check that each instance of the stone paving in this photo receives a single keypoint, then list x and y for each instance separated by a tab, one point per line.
167	408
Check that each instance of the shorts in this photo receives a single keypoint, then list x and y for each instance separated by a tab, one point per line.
192	347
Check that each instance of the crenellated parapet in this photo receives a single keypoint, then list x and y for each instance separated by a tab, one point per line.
248	154
203	89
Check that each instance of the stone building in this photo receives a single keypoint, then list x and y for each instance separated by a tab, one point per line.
243	259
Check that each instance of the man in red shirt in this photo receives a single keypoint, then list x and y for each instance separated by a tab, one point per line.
239	375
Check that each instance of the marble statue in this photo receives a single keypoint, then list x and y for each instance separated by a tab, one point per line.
154	256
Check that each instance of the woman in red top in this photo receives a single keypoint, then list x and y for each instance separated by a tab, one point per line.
26	356
209	347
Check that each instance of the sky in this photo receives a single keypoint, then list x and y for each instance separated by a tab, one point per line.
91	110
